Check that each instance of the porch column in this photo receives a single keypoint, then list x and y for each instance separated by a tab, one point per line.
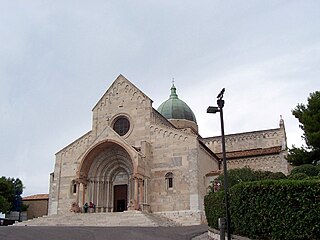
84	190
107	196
98	194
141	192
136	193
78	192
145	191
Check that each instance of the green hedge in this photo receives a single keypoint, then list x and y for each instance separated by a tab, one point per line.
214	208
283	209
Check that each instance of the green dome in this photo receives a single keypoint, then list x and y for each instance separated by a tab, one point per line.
174	108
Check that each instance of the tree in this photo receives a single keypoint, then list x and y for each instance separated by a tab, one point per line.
6	194
309	119
10	194
247	174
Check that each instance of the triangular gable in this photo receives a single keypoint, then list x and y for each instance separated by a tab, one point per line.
129	86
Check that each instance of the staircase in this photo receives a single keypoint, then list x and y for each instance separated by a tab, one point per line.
112	219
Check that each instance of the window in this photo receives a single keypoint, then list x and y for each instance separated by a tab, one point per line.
73	187
170	183
121	126
169	180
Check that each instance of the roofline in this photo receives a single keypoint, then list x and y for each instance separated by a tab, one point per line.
120	75
257	154
242	133
209	151
72	142
36	197
165	119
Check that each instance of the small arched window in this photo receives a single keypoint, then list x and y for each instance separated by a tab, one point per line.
169	180
73	187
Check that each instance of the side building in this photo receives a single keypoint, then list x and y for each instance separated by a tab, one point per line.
264	150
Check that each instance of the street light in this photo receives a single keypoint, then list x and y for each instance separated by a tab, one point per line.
220	103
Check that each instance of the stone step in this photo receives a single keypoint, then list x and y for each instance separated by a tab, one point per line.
128	218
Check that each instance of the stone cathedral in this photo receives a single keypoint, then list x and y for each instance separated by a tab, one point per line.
137	157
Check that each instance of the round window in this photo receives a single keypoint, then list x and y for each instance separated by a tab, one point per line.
121	126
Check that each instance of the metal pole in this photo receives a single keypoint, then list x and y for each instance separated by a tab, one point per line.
220	103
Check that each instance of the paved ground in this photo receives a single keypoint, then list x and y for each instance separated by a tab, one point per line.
97	233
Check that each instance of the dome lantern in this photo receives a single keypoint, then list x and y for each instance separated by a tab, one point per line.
177	111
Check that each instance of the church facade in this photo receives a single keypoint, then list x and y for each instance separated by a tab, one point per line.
138	158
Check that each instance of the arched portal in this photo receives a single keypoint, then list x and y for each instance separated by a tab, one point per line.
107	178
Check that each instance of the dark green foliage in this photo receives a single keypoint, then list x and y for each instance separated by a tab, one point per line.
309	119
298	176
4	205
214	207
6	194
299	156
10	194
24	207
246	174
308	169
282	209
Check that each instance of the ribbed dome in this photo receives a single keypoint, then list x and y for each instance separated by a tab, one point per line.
174	108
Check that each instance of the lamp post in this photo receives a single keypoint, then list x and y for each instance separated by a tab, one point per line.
210	109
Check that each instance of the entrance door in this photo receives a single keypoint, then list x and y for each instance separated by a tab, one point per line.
120	198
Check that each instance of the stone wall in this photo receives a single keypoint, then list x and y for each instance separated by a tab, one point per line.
37	208
249	140
172	151
272	163
206	164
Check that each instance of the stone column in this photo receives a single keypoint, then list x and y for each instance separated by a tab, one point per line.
136	193
141	192
78	192
110	197
145	200
107	195
98	194
90	197
84	188
81	194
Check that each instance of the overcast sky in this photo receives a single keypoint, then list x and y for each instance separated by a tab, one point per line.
57	58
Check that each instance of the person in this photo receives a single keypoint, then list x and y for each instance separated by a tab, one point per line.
85	207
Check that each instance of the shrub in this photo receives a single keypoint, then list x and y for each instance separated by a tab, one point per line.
285	209
214	207
298	176
246	174
308	169
236	176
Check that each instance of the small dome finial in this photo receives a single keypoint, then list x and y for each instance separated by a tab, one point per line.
173	90
281	124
